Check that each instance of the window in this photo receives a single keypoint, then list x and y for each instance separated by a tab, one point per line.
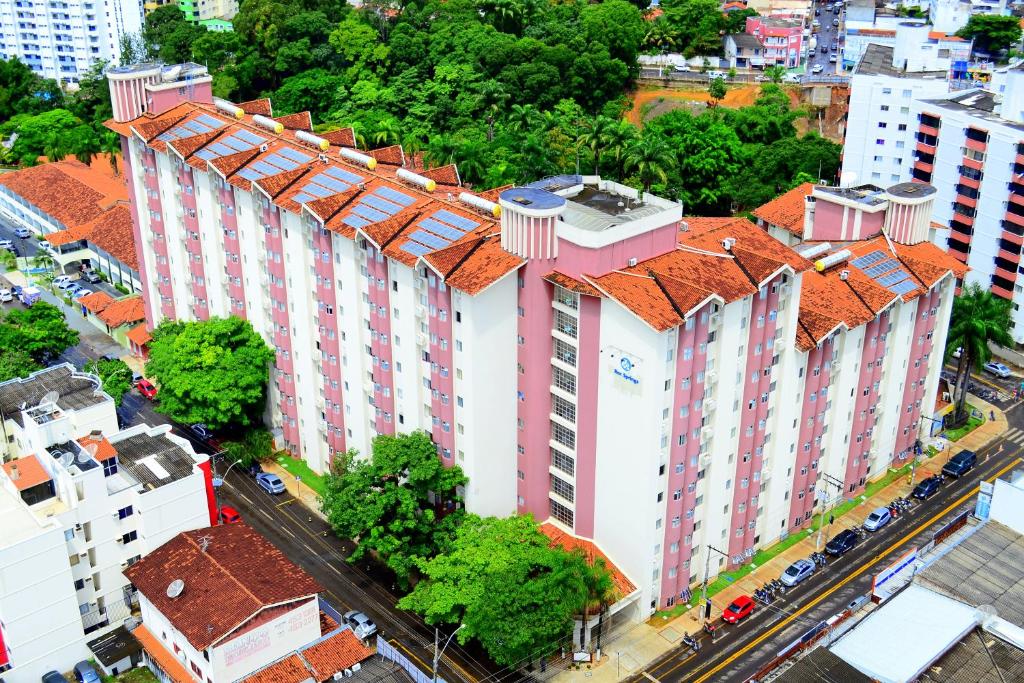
124	512
564	352
563	380
563	408
563	435
565	323
560	512
110	466
129	537
563	462
562	488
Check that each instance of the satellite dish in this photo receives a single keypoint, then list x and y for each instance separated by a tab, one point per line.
50	397
175	588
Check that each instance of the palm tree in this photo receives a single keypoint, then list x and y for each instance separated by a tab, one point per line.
978	317
660	37
522	117
595	587
617	141
8	261
111	144
387	132
594	136
650	159
440	150
413	145
472	161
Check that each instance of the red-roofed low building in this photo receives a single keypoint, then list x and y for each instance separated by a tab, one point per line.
581	350
225	603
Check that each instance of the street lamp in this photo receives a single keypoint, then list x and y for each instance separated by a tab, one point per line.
705	612
824	503
437	654
219	481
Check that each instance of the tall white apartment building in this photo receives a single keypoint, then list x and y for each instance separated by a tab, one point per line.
80	502
655	384
61	39
880	127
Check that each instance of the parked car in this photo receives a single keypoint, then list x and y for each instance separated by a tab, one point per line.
61	279
997	369
842	543
73	290
6	295
85	673
682	67
53	677
738	609
833	58
797	572
878	518
712	75
271	483
927	488
147	389
90	276
960	464
22	233
6	244
360	624
229	515
67	285
817	68
791	78
835	22
80	292
200	430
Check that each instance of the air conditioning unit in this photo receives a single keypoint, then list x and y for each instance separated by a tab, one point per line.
710	377
339	675
707	432
421	339
632	262
835	366
356	667
421	311
709	405
324	158
716	320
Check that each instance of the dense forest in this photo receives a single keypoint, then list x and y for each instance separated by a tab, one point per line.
510	90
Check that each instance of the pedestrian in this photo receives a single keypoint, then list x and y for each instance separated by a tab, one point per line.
992	415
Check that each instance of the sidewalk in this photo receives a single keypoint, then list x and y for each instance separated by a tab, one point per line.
629	653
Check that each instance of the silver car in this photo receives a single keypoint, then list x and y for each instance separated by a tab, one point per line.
360	624
878	518
797	572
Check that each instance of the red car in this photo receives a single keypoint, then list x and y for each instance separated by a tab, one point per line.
229	515
147	389
740	608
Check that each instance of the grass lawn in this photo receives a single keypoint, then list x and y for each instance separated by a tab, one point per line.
137	675
960	432
761	557
298	467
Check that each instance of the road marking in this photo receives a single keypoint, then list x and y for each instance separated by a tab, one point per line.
650	677
860	570
266	514
246	499
287	531
426	666
287	502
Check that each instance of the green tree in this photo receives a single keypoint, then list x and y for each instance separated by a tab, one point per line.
978	317
616	24
115	375
736	20
992	33
650	159
775	73
213	371
54	134
513	592
594	136
253	446
16	363
716	89
698	23
39	330
8	261
22	91
384	503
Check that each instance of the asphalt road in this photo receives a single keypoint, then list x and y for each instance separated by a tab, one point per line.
827	35
740	651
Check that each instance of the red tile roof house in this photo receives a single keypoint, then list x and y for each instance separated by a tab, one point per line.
119	318
81	210
222	604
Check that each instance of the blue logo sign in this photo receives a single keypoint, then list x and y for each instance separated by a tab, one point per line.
626	364
625	370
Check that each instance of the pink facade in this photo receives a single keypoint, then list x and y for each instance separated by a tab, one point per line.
817	376
442	367
917	371
575	261
782	38
193	242
140	254
161	100
232	250
328	343
865	412
685	468
157	234
758	386
378	290
588	359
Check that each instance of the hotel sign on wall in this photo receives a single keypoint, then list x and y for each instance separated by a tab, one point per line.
627	367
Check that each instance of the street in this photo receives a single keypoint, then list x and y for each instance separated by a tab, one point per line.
740	651
828	37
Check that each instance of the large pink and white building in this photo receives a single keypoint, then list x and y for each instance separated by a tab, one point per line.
655	384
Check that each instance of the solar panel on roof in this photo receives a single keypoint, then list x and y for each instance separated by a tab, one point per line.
456	220
265	168
249	137
868	259
395	196
294	155
235	144
342	174
165	136
414	249
317	191
302	198
355	221
369	212
893	277
281	162
209	120
221	149
249	174
424	237
441	229
384	205
180	132
881	268
196	126
904	287
206	154
335	185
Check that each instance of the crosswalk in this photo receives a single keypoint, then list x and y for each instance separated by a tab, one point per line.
1015	435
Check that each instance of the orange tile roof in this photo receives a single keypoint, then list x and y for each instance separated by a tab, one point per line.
389	155
261	106
113	233
641	295
70	191
443	175
343	137
291	669
104	449
300	121
564	540
28	470
572	284
335	653
68	235
482	266
238	575
939	35
139	335
123	311
96	302
786	211
163	658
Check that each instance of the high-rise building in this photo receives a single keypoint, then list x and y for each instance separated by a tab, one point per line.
658	385
62	39
81	502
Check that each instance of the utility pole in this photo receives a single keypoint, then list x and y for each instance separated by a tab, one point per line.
438	653
829	479
704	588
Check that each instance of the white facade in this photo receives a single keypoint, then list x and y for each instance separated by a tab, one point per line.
61	40
68	537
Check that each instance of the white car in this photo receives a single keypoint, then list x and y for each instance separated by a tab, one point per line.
712	75
61	279
818	68
682	67
80	292
23	233
6	244
6	295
